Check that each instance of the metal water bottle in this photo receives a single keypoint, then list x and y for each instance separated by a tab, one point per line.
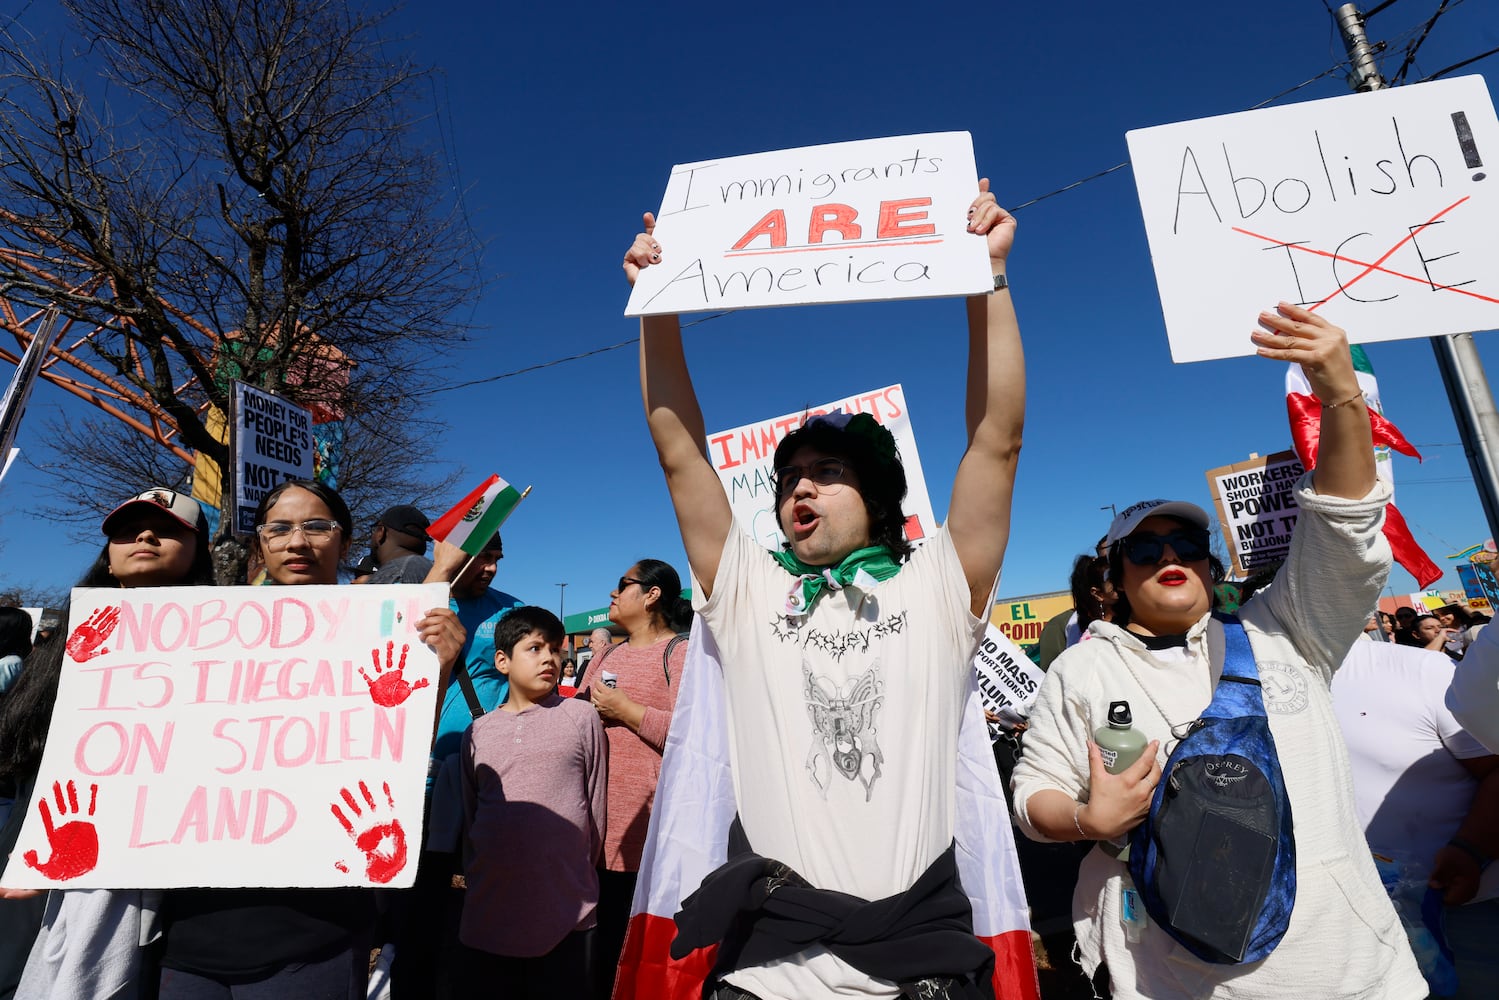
1119	742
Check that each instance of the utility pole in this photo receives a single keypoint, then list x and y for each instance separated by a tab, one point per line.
1457	357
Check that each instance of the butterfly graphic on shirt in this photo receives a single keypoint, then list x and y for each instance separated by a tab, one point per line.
844	738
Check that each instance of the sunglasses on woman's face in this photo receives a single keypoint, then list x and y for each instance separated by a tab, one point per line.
1189	544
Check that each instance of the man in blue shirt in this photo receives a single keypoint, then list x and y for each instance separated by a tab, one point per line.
478	607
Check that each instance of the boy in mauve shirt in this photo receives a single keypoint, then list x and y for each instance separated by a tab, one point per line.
535	773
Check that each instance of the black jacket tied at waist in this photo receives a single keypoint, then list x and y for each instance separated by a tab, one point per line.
758	910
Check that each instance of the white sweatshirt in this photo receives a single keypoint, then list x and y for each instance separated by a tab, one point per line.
1344	941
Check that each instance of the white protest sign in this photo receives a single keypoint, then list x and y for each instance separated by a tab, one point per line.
1256	501
744	459
1370	209
1008	680
235	736
272	443
844	222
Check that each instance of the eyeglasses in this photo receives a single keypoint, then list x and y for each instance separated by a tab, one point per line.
315	530
1189	544
828	473
625	581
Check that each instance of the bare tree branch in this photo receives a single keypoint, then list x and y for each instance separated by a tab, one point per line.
237	190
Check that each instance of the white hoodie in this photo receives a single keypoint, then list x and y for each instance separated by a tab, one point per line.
1344	941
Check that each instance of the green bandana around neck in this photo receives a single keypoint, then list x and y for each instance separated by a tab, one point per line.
873	561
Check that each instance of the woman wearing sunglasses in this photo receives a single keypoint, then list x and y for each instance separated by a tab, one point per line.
228	943
90	940
633	686
1163	653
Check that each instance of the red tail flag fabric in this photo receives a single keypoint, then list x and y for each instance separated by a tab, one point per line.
689	830
1305	414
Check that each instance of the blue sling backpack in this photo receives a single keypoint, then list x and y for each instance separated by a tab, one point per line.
1215	859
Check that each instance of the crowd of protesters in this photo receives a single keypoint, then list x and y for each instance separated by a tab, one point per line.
839	870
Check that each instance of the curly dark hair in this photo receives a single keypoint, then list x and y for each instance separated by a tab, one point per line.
872	452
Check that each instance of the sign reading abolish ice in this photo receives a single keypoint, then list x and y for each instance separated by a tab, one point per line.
745	455
1256	502
235	736
845	222
1375	210
272	443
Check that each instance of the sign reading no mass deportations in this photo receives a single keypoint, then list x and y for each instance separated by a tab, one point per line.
845	222
1256	503
745	455
272	443
1008	680
1375	210
235	736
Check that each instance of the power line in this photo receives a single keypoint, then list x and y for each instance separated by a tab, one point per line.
1455	66
558	361
1410	50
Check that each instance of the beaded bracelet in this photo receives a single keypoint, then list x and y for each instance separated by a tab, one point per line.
1078	823
1334	406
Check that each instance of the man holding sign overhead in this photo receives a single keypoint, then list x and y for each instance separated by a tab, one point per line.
845	675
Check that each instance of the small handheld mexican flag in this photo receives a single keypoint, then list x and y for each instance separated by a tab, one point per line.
476	518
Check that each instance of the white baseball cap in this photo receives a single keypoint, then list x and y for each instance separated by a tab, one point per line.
178	506
1128	519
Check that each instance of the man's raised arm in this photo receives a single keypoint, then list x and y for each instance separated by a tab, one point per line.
676	424
978	518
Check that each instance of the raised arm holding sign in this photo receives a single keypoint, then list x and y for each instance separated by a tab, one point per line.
859	693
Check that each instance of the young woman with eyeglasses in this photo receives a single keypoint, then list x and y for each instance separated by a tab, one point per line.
85	943
1163	653
635	704
228	943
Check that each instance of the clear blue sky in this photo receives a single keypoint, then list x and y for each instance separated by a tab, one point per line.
563	122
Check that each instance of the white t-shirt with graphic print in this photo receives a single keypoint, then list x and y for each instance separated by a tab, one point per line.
843	731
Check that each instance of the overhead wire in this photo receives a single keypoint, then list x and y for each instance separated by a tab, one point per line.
1411	49
559	361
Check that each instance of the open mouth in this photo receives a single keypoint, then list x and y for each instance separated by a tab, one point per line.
803	519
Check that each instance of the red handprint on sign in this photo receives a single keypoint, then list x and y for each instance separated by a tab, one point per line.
86	641
75	844
383	843
388	688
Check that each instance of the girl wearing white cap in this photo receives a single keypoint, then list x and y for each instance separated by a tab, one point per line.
90	942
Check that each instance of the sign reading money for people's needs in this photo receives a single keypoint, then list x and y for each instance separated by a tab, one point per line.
1379	211
272	443
744	459
235	736
845	222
